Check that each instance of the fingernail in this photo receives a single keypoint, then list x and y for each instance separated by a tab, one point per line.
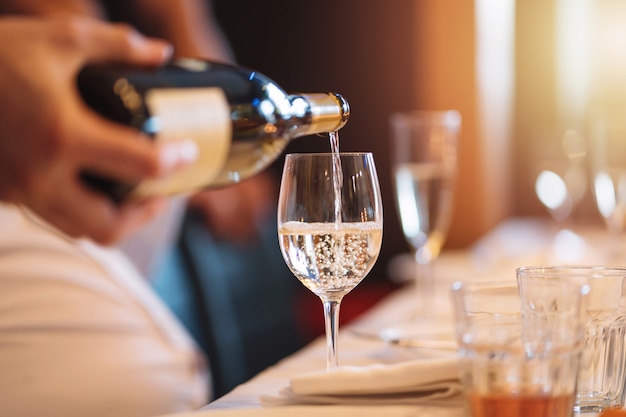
153	46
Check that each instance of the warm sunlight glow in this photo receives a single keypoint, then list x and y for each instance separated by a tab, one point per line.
495	70
572	49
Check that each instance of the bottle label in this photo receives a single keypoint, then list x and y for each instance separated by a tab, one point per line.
198	114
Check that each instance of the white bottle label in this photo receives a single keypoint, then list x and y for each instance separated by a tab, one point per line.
198	114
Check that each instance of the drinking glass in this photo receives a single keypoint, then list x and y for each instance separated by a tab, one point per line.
330	225
424	165
603	368
519	346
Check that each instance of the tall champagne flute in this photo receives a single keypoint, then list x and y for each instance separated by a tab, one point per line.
424	164
330	225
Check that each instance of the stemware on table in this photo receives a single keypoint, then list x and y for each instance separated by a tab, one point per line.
557	169
424	164
330	233
607	136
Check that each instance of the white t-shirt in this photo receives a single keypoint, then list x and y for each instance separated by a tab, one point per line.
82	334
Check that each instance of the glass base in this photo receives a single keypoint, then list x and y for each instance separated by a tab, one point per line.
594	406
436	332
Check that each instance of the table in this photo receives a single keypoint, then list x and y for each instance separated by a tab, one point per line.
514	243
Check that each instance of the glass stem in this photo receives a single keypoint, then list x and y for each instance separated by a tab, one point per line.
425	287
615	248
331	320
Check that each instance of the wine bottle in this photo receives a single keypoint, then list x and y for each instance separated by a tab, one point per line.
240	120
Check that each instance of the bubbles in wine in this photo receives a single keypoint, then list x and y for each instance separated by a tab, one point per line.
328	257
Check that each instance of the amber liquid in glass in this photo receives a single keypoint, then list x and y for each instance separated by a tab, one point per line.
522	405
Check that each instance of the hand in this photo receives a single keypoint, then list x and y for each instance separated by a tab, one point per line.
48	135
235	212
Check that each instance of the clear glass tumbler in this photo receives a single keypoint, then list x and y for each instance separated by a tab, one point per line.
519	347
603	368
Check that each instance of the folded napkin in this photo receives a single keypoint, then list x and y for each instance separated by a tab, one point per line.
409	382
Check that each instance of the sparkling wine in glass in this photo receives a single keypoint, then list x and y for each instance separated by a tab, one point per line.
330	225
424	164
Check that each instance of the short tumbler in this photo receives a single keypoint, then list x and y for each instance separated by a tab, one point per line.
519	347
603	367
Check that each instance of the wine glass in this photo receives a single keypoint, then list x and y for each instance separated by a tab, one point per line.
558	171
607	137
424	164
558	156
330	225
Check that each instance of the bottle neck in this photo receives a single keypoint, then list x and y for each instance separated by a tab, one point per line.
325	112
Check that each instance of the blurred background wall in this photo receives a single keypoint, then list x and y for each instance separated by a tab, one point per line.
570	64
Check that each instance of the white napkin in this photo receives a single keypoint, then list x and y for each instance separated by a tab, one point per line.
409	382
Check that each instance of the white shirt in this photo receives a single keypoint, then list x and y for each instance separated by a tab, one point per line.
146	247
82	334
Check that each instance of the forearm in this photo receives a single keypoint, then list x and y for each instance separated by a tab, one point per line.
188	24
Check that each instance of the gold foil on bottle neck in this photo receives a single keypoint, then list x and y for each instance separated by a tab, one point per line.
329	112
